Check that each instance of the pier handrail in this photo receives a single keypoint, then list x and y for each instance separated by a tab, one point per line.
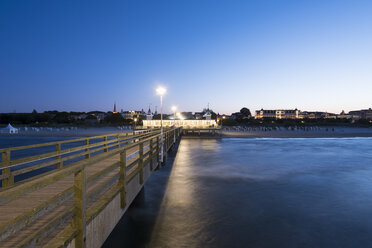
8	166
86	205
133	133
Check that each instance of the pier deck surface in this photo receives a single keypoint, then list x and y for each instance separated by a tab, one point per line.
11	210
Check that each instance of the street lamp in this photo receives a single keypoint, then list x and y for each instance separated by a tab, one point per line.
134	123
174	108
161	91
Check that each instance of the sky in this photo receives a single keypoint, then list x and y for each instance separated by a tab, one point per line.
85	55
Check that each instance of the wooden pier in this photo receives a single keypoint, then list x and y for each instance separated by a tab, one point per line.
212	132
83	192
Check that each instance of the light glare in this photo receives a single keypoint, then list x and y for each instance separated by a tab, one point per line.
161	90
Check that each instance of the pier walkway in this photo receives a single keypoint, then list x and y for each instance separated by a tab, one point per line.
75	191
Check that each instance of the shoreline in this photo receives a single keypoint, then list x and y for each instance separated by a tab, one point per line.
328	132
300	136
65	132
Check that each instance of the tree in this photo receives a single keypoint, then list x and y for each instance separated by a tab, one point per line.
62	117
115	119
245	112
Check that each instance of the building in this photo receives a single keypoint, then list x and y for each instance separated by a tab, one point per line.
368	114
149	115
187	115
198	115
288	114
330	116
261	114
343	115
312	115
364	114
114	112
235	116
79	116
99	114
207	115
189	124
131	114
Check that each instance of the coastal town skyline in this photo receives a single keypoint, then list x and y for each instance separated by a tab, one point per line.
243	113
79	57
168	110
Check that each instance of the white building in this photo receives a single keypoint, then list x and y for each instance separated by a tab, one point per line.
9	129
149	115
208	115
278	114
180	123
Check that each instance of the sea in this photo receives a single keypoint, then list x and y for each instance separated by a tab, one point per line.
14	141
264	192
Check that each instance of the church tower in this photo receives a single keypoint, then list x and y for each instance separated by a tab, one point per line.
149	115
114	108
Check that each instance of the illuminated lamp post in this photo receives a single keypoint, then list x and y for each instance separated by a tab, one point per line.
134	123
161	91
174	108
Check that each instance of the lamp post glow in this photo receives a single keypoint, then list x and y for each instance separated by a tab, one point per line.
134	123
174	108
161	91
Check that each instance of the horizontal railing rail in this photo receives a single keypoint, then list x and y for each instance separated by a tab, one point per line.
11	168
137	132
87	196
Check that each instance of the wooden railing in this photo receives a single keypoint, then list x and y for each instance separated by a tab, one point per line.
10	168
142	149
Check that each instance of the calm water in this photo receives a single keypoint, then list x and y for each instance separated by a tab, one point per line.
13	141
256	193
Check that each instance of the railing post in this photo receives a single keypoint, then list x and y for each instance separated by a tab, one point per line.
122	178
140	163
165	143
87	149
58	150
79	220
105	145
126	139
150	155
168	141
157	151
118	141
6	182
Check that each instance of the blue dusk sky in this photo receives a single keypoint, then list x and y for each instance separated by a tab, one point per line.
84	55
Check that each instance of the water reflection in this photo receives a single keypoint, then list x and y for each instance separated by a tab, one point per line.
256	193
178	204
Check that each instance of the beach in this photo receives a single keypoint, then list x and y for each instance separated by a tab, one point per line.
295	132
69	131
